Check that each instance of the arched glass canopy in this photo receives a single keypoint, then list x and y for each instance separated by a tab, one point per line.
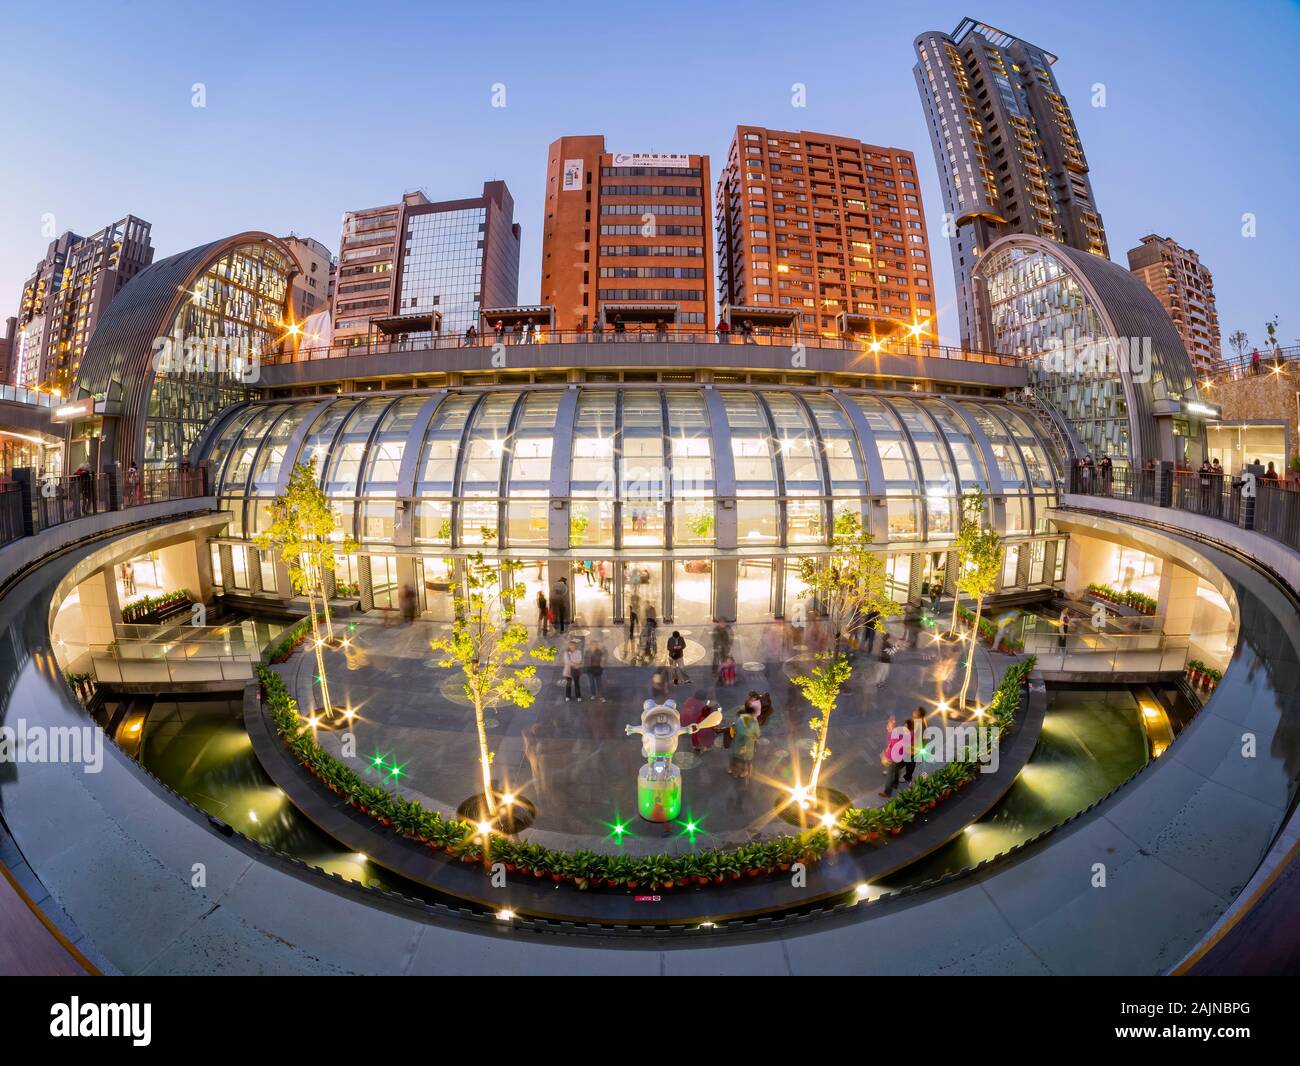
640	469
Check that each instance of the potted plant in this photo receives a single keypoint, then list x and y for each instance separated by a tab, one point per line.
700	523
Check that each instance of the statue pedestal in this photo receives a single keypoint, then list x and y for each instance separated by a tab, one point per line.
659	791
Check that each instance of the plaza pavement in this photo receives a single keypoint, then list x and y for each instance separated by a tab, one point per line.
574	761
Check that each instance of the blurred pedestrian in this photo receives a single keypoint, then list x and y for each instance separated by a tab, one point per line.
677	658
743	736
595	666
572	672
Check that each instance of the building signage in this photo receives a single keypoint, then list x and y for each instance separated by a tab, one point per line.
572	175
68	412
651	159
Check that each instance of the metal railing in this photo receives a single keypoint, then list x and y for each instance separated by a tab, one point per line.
1268	506
19	394
12	526
31	503
157	486
761	337
1121	483
1271	360
64	499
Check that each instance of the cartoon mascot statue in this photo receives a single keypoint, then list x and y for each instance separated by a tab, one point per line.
659	782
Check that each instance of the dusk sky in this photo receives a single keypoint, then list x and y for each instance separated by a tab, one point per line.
318	108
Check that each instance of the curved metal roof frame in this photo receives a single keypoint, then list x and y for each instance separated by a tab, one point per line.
1128	309
118	363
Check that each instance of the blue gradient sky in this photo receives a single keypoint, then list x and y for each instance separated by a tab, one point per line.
316	108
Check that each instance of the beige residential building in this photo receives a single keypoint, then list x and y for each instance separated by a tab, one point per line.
1185	288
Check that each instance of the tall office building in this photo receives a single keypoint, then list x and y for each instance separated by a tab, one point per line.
1006	146
1185	288
67	293
828	227
417	265
626	235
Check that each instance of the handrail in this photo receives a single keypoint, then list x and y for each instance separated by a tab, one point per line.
760	337
30	503
1271	360
32	397
1268	506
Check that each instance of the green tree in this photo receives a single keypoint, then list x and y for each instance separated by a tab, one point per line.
578	524
979	563
487	644
822	689
303	530
848	584
1239	341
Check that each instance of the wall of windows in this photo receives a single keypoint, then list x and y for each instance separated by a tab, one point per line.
442	266
1118	371
706	495
230	316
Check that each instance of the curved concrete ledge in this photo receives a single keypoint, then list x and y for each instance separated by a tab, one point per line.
1274	883
19	554
1270	554
1177	843
828	880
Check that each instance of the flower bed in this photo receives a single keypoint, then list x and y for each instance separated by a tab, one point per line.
587	869
1140	602
149	609
1202	676
288	643
83	684
1009	644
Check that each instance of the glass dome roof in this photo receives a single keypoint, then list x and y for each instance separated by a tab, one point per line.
641	466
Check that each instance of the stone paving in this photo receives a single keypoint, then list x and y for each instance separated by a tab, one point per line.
573	759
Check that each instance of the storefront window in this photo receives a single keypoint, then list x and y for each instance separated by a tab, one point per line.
756	522
527	520
692	592
643	524
383	581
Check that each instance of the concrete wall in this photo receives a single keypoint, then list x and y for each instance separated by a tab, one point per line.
1266	396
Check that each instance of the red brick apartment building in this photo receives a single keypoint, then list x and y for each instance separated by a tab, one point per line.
828	227
627	236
